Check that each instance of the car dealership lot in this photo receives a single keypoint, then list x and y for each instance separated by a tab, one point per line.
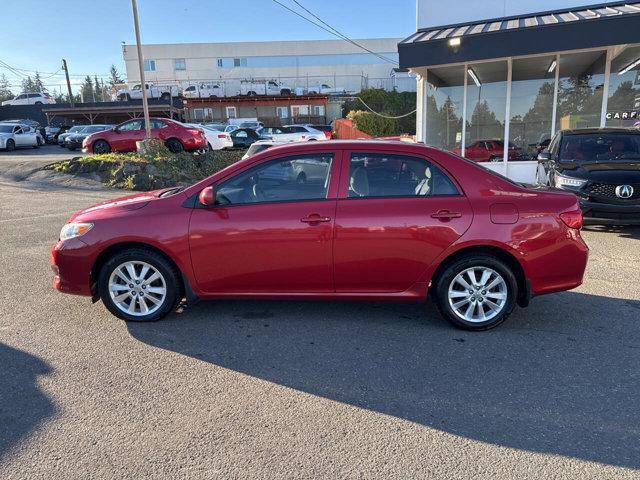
295	389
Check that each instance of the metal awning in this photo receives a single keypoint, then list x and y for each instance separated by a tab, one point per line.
545	32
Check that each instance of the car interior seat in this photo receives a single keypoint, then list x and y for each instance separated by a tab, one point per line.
359	183
424	187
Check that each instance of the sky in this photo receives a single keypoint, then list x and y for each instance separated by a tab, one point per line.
89	33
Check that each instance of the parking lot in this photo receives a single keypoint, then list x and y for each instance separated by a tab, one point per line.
306	389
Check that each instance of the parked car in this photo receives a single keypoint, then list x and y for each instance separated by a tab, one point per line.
244	137
31	123
263	87
231	128
251	124
13	135
30	98
216	140
123	137
216	126
282	134
164	92
431	226
602	167
52	133
308	133
322	89
75	129
326	129
487	151
74	141
261	146
203	90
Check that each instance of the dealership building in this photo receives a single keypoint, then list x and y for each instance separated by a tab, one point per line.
522	70
298	64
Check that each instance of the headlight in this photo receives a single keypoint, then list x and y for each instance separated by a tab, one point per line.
566	181
73	230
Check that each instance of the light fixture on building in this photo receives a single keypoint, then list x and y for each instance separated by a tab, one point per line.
552	67
454	42
474	77
629	67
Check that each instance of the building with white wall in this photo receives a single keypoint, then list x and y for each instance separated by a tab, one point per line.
300	64
520	70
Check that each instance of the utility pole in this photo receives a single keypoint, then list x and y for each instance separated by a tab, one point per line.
143	82
66	72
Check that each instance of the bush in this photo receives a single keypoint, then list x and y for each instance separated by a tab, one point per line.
374	125
388	103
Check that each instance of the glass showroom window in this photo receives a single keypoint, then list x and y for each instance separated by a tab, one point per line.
179	64
580	89
444	105
149	65
531	111
623	104
486	105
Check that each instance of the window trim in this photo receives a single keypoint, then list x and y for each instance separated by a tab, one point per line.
343	191
334	171
175	62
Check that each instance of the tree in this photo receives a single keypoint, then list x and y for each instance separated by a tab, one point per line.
114	78
37	83
5	89
99	91
485	123
86	90
623	98
28	85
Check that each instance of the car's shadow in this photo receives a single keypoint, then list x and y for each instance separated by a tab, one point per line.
23	406
561	377
622	231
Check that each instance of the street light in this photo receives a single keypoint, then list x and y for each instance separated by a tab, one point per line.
143	82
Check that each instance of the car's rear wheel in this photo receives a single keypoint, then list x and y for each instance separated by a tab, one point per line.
11	145
101	146
477	292
174	145
139	285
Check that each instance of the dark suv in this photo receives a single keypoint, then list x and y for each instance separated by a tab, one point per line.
601	166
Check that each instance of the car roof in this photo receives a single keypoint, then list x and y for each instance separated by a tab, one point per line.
586	131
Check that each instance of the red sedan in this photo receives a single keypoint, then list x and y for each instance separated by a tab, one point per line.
122	138
487	151
359	220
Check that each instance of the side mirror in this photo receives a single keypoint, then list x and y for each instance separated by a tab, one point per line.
544	156
207	196
115	129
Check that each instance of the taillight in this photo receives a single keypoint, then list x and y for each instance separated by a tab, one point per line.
572	219
195	131
222	136
328	135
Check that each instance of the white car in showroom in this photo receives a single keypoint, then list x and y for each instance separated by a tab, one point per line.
30	98
216	139
14	136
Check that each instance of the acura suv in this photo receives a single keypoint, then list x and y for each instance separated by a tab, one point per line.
602	167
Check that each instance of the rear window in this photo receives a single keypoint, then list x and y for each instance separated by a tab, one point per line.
600	147
257	148
322	128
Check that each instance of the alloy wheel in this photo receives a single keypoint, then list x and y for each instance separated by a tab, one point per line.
137	288
477	294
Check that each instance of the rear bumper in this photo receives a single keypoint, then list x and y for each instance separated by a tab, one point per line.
194	143
595	213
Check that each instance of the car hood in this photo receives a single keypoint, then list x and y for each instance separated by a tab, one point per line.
614	171
121	204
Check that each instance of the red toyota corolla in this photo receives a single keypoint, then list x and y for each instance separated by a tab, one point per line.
356	220
122	138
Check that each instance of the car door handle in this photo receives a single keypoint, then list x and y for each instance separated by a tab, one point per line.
445	215
315	218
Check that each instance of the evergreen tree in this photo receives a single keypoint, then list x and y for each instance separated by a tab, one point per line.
86	90
37	83
28	85
5	89
114	77
98	90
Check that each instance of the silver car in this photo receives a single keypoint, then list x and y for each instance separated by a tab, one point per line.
14	136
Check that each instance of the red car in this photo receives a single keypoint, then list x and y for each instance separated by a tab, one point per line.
422	220
122	138
487	151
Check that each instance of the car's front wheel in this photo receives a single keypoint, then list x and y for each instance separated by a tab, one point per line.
139	285
101	146
477	292
174	145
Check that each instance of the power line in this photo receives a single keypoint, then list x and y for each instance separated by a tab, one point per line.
386	116
333	32
343	36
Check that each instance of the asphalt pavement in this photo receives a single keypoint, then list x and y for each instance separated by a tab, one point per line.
306	389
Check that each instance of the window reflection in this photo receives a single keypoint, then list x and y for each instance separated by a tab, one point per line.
580	90
532	87
623	104
445	91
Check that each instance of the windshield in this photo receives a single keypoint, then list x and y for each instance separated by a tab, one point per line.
600	147
6	128
95	128
77	129
216	127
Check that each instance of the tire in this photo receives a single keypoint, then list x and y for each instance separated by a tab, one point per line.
312	140
165	96
454	300
38	103
11	145
117	295
71	148
209	147
101	146
174	145
285	91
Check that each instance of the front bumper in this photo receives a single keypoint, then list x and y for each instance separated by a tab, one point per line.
596	213
71	144
71	262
